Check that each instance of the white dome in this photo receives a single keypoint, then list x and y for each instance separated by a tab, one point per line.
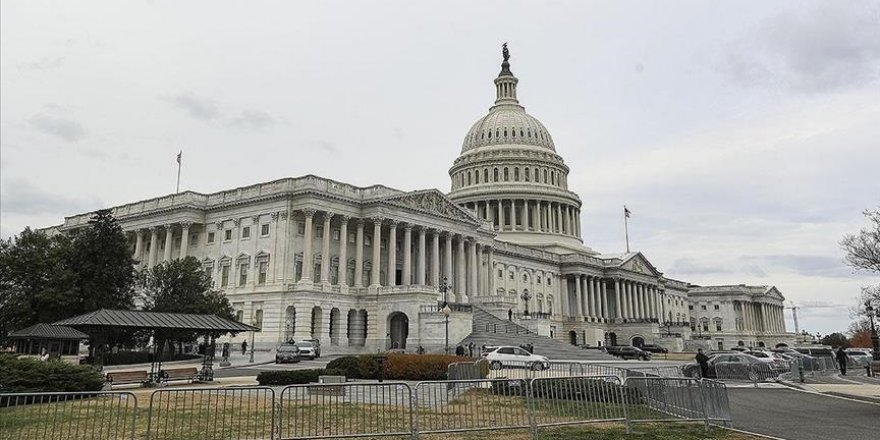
507	124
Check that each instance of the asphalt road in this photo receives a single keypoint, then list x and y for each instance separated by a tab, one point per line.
796	415
253	370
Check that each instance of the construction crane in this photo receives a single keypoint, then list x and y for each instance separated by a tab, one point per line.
794	310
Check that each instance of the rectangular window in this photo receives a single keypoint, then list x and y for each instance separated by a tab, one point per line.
194	240
335	235
717	307
690	307
300	228
703	307
320	232
500	273
352	237
246	232
224	276
210	237
368	240
705	326
263	271
264	230
299	270
718	326
242	274
227	235
384	243
258	318
209	272
239	316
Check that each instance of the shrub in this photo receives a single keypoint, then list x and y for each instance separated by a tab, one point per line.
295	377
28	375
397	366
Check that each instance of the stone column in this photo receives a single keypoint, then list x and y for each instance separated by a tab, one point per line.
602	287
491	269
594	297
307	260
559	218
618	310
342	331
184	240
642	299
406	272
435	258
472	268
359	255
138	246
392	254
447	259
377	252
343	265
154	246
169	236
525	215
500	215
578	297
420	275
460	280
325	250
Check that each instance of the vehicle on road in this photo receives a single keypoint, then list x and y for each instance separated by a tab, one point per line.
287	353
507	356
730	366
857	357
775	360
629	352
654	348
316	343
307	349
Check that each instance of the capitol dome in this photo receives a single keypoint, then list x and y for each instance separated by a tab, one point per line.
510	175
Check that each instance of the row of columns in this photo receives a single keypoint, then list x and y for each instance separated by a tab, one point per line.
529	215
763	317
625	299
460	267
168	231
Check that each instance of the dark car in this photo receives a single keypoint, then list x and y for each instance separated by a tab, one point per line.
287	353
654	348
728	366
628	352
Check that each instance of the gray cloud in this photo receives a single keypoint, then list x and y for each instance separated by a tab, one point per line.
754	270
197	106
832	46
59	126
807	265
326	146
690	266
19	196
44	64
252	120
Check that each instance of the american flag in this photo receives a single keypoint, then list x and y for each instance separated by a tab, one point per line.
179	156
626	212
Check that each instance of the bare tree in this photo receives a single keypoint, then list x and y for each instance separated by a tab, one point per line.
863	249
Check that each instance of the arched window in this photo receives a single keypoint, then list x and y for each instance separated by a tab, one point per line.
490	134
526	174
469	178
516	174
525	278
485	175
545	175
506	174
537	177
495	175
553	178
477	176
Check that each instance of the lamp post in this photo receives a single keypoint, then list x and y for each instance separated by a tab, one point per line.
444	289
526	296
875	339
253	332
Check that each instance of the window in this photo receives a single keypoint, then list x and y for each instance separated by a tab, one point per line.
227	235
224	276
495	175
334	234
258	318
511	275
210	237
690	307
506	174
262	272
368	240
486	175
320	232
500	273
548	281
209	273
242	274
516	174
718	326
717	307
538	279
525	278
526	174
300	228
705	325
246	232
703	307
264	230
239	316
352	237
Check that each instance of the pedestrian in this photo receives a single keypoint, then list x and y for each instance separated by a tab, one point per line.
840	355
459	351
421	350
470	349
243	348
510	314
703	361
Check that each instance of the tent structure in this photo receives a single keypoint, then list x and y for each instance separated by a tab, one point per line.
104	320
55	339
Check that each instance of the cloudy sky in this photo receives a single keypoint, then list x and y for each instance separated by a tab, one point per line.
744	136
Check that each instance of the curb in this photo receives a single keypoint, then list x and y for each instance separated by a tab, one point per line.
741	431
835	394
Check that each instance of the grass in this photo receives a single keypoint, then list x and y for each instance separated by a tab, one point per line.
231	413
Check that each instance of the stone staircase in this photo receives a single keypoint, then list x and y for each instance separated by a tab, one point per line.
489	329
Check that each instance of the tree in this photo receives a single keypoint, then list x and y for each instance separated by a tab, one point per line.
182	286
835	340
861	339
863	249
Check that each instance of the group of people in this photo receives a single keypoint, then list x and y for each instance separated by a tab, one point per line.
460	350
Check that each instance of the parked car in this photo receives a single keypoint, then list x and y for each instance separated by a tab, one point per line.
629	352
316	343
768	357
307	349
654	348
287	353
507	356
857	357
736	366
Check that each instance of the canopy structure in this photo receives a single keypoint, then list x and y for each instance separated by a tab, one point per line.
137	319
47	331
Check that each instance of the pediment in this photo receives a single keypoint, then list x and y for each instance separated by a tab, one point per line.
431	202
774	293
639	264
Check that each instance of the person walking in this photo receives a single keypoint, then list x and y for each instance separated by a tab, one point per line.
703	361
471	349
510	314
840	355
243	348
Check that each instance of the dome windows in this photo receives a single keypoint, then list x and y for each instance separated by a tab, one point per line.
485	175
526	174
516	174
506	174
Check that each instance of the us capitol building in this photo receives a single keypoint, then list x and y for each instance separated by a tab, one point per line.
363	268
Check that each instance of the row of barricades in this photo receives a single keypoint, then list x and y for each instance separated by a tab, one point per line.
362	409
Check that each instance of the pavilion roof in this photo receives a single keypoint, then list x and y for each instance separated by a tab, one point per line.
139	319
48	331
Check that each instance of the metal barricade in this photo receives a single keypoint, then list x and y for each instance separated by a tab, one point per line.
210	413
345	410
654	399
478	369
716	401
60	416
576	400
471	405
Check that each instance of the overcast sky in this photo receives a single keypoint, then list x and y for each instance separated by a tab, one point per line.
744	136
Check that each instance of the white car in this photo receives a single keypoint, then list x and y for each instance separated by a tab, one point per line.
515	357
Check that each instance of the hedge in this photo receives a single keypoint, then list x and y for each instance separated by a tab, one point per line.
28	375
398	366
294	377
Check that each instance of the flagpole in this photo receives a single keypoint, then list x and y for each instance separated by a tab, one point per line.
178	170
626	227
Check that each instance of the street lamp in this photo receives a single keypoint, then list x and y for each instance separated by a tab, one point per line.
253	332
875	339
444	289
526	296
